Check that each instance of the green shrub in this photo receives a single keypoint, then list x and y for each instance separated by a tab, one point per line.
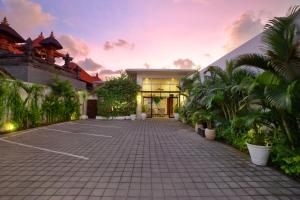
198	117
283	156
145	108
117	97
62	104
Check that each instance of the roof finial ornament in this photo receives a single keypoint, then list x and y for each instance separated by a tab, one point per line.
41	34
52	34
4	21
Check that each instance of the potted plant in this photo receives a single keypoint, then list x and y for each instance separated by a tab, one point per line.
258	144
144	112
176	112
197	120
210	132
258	137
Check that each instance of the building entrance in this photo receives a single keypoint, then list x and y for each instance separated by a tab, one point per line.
160	104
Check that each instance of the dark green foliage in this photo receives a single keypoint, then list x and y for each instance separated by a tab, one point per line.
24	111
277	88
287	159
117	97
62	104
256	98
25	105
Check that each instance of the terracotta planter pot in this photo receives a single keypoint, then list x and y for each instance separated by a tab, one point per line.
259	154
143	116
210	134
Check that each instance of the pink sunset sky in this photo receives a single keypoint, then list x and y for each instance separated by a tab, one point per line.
111	35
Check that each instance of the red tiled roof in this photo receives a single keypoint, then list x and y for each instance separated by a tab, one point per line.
83	75
58	54
36	41
10	32
51	41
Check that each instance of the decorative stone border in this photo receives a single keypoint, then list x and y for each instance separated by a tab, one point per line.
114	118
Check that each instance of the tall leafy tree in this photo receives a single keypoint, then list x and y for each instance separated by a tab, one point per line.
117	96
278	86
226	88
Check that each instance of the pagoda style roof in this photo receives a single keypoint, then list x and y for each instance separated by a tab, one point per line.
10	32
51	41
36	41
83	75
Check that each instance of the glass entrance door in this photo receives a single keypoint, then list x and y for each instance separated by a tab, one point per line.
147	102
172	102
158	106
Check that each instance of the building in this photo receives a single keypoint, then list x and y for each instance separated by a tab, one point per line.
254	45
159	92
33	61
5	74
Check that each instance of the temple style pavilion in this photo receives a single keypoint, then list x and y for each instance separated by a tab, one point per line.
34	60
9	38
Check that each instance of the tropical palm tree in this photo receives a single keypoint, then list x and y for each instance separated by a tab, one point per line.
226	88
277	87
32	103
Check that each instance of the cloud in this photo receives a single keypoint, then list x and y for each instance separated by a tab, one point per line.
200	1
195	1
105	74
207	55
120	43
90	65
93	67
25	16
184	63
242	29
74	46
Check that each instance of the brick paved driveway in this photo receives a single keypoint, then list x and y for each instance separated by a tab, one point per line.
153	159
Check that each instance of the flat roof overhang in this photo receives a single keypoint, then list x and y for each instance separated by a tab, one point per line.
178	72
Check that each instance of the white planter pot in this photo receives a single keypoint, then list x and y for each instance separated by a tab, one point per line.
132	117
143	116
100	117
259	154
120	118
83	117
176	116
127	117
210	134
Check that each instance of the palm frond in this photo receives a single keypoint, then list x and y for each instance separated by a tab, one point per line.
241	74
268	79
282	46
279	97
217	71
253	60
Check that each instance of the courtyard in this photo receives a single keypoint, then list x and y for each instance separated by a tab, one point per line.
152	159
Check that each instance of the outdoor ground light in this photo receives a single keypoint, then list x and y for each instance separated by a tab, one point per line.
9	126
74	116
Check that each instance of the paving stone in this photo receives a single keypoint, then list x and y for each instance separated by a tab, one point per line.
152	159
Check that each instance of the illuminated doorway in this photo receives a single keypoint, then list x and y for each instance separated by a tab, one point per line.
160	104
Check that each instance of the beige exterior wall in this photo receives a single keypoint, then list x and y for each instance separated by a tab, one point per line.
159	74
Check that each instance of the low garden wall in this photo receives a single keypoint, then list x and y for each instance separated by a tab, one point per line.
24	105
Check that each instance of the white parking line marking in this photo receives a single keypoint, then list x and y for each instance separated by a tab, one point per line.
103	126
90	134
44	149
